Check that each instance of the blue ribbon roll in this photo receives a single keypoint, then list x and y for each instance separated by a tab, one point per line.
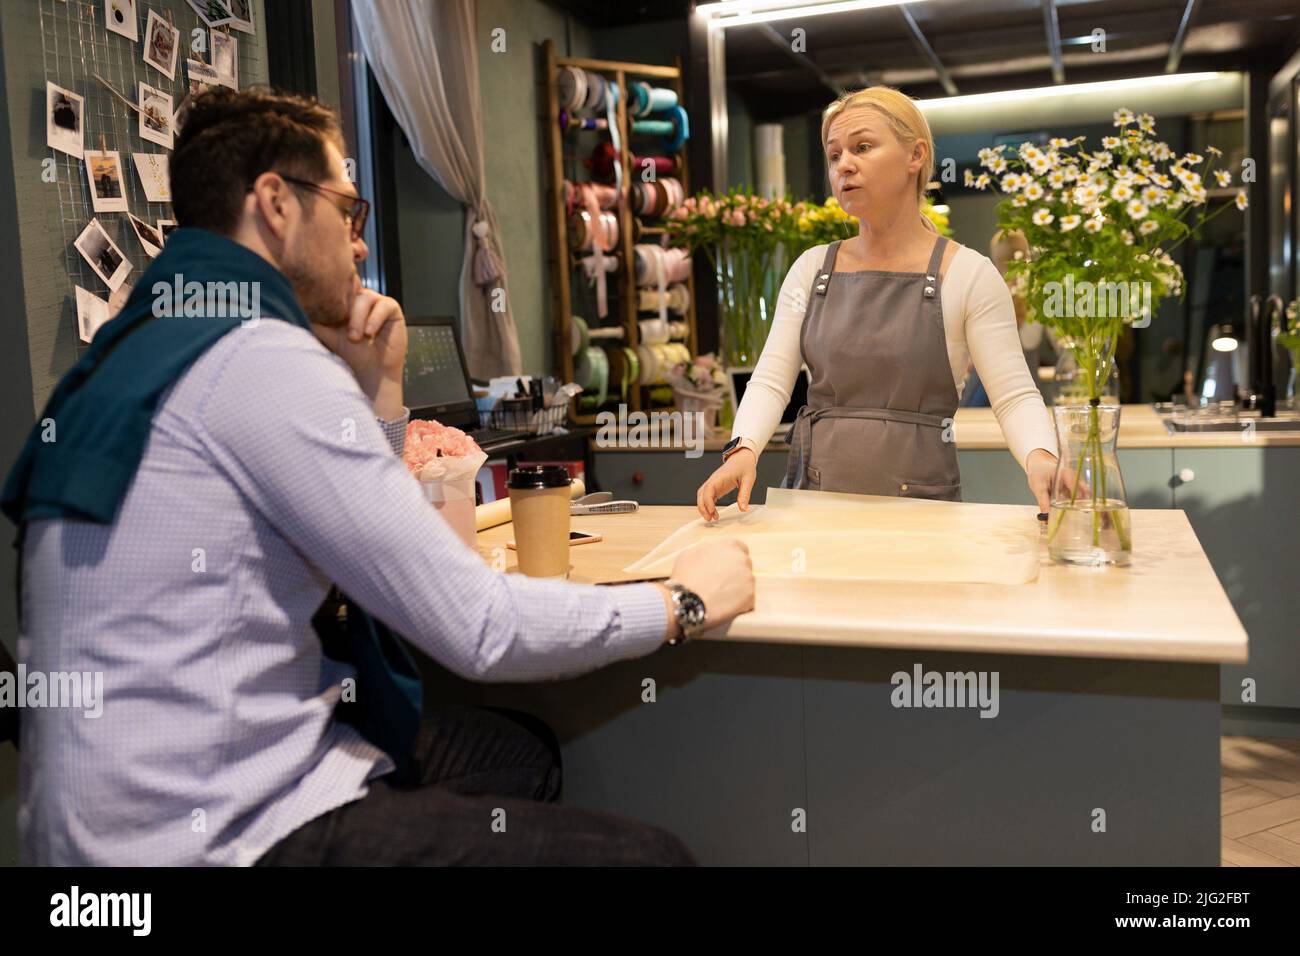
646	99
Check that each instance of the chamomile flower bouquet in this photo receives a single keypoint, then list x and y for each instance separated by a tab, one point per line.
1100	225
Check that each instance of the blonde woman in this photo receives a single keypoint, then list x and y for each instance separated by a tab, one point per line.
887	322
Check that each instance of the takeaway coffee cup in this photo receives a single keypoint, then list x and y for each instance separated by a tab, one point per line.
539	509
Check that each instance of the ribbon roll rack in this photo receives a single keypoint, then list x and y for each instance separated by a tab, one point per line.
593	104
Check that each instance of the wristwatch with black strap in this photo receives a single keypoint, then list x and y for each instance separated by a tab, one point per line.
729	447
688	609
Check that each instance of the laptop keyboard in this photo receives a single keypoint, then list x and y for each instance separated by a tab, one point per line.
494	436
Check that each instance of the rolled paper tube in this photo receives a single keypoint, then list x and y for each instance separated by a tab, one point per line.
678	353
678	330
498	512
607	333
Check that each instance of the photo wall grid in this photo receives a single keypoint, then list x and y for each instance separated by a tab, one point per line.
77	42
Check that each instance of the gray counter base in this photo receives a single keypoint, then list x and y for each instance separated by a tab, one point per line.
742	737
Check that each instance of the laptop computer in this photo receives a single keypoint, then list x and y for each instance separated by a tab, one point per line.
738	377
436	381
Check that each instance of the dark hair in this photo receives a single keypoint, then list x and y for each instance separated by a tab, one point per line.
230	138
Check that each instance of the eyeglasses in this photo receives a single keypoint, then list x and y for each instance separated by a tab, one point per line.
357	208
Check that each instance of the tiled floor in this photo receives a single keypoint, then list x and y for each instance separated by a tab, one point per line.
1261	801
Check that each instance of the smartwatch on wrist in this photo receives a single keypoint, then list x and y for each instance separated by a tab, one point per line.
729	447
688	609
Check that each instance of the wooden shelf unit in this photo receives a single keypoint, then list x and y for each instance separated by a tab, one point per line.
562	261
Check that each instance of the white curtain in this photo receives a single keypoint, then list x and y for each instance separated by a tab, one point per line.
424	56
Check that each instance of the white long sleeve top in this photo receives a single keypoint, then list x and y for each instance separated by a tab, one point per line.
979	323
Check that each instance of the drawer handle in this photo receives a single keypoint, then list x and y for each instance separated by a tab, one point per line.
1186	475
638	478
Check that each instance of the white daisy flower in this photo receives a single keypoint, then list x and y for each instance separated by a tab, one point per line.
1123	116
1060	143
982	181
1146	122
1161	151
1136	208
1110	142
1214	151
1042	217
1069	222
968	179
1197	194
1127	237
1122	191
1033	190
1223	177
1040	164
1094	224
1241	200
1152	195
1148	227
1194	158
1160	179
1019	201
1056	178
1011	182
998	164
1123	172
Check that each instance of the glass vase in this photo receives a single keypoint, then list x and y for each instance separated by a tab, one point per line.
1073	384
747	288
1089	521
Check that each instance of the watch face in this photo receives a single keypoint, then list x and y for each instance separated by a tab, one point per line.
694	609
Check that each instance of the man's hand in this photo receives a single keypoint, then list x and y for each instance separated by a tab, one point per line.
373	343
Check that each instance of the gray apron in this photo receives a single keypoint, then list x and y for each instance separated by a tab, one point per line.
881	398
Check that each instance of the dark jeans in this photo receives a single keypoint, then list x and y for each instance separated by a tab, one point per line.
486	782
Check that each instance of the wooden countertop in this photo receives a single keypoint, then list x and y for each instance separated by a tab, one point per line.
977	429
1168	605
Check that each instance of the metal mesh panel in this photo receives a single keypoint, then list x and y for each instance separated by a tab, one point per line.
75	46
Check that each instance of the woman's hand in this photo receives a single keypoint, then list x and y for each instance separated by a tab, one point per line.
1039	468
739	470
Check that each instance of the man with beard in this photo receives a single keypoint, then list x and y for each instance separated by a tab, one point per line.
211	478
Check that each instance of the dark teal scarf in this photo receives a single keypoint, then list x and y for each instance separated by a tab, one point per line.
81	463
